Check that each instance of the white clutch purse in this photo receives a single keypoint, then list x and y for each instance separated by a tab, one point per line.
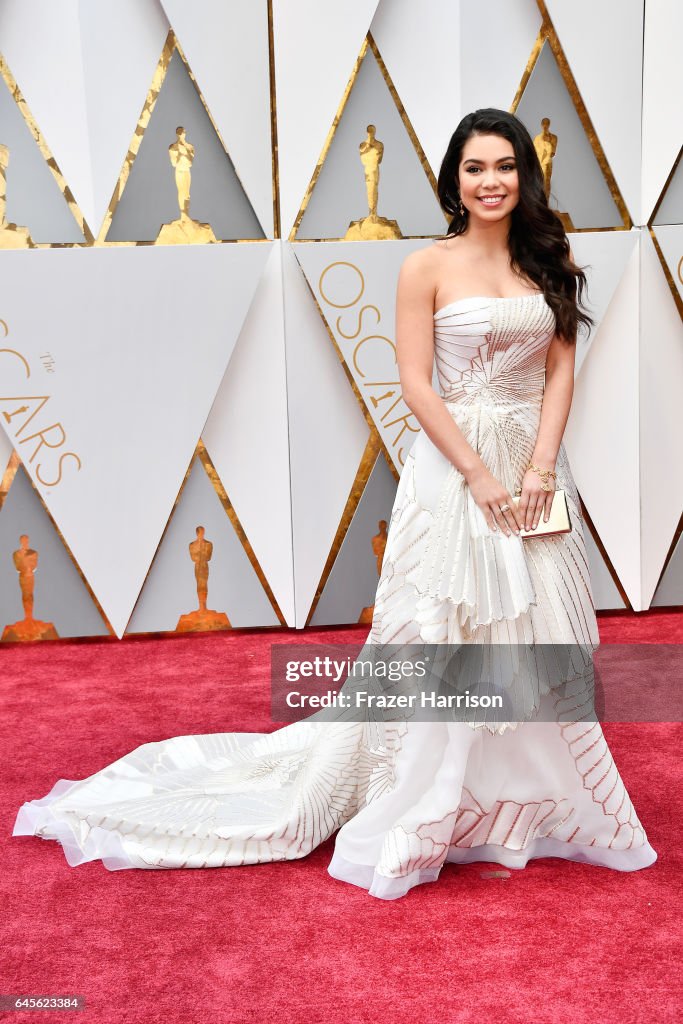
559	521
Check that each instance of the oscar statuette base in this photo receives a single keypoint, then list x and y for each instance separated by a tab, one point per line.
372	228
185	231
202	621
29	630
14	237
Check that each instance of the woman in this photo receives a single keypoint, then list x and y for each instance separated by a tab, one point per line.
496	301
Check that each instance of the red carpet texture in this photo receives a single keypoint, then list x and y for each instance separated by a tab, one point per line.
285	943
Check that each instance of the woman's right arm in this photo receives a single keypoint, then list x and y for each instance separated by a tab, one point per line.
415	356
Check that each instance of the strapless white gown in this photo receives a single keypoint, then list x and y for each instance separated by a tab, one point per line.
415	795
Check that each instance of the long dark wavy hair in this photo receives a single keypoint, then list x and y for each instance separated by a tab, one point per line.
538	244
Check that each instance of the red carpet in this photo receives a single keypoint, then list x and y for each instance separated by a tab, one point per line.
285	943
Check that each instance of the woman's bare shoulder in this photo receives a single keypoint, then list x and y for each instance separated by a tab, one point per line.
423	261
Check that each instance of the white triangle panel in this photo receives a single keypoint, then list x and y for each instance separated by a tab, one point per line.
662	108
355	286
316	47
246	435
340	195
119	64
226	46
61	598
605	593
436	92
170	590
48	68
85	76
606	64
502	33
604	256
327	432
121	389
602	434
407	34
661	419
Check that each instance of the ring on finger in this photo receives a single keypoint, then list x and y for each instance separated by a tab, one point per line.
503	523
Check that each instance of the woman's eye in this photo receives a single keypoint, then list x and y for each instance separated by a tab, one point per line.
503	167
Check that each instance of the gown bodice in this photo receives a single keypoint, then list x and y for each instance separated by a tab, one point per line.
493	350
490	358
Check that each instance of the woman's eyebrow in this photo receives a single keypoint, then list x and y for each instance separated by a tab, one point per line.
475	160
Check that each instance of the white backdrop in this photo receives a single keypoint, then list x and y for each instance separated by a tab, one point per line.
250	386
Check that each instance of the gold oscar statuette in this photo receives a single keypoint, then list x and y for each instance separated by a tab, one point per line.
26	562
372	227
379	543
11	235
203	618
184	230
545	145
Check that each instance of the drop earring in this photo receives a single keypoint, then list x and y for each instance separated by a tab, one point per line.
462	209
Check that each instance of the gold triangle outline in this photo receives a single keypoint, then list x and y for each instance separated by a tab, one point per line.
665	188
678	299
369	459
679	529
665	565
31	123
547	33
652	228
171	45
8	479
606	559
201	455
667	272
274	149
178	496
218	487
367	44
373	447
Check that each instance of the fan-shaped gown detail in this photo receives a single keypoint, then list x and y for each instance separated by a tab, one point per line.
418	794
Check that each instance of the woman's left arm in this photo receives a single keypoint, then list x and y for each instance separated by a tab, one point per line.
557	401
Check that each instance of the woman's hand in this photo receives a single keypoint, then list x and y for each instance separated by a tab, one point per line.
534	499
489	494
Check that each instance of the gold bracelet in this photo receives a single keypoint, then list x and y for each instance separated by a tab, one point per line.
543	473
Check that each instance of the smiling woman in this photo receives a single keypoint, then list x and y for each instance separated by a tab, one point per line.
491	185
538	780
